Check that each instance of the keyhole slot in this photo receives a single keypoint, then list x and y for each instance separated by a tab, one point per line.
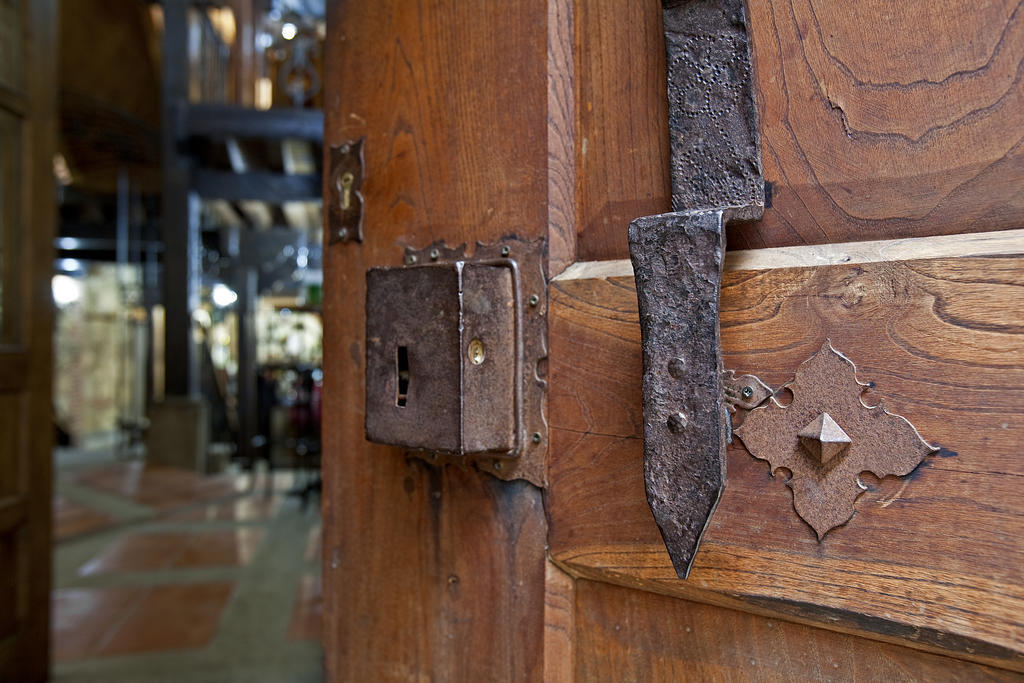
345	185
402	368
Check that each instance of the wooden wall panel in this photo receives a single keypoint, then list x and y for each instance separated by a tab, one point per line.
627	635
937	558
878	121
429	573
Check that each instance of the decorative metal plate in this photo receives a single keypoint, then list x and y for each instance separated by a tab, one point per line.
827	436
345	199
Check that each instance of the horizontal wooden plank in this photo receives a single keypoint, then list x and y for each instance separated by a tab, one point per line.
626	635
937	558
270	187
13	512
999	243
220	122
13	369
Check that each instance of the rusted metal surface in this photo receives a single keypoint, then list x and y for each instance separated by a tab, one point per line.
344	199
473	330
827	436
412	325
713	124
489	362
677	261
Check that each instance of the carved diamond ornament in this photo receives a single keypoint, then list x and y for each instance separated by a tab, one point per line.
827	436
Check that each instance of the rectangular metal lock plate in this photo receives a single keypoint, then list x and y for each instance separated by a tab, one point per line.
452	352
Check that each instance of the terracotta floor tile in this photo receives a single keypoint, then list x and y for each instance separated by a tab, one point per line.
176	550
234	547
157	486
249	508
84	617
307	616
174	617
71	519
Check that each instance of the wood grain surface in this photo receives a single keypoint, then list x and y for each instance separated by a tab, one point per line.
622	114
936	558
627	635
26	447
877	120
429	573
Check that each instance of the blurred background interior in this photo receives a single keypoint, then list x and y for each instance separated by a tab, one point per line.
188	340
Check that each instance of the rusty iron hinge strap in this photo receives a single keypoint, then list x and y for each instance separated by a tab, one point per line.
677	261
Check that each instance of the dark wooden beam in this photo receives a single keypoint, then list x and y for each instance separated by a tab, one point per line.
269	187
220	122
180	213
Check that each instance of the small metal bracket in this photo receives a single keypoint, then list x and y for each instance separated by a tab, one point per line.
677	261
345	203
455	352
827	436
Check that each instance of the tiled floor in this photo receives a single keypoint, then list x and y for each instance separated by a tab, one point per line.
72	519
166	575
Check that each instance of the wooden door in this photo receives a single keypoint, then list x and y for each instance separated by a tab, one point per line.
893	158
27	210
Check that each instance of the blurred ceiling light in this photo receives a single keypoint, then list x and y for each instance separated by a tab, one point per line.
289	30
223	295
69	265
66	290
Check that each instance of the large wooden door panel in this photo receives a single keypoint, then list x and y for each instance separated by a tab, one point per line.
933	558
879	120
549	119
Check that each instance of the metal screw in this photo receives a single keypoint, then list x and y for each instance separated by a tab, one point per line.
410	259
536	437
534	299
747	392
497	465
345	149
676	366
343	234
434	253
677	423
505	251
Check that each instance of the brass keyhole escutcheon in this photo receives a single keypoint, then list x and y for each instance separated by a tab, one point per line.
345	185
476	352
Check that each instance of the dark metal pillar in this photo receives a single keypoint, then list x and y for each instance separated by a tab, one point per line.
180	211
247	285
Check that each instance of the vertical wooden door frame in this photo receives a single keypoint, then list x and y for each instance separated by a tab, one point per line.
26	656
